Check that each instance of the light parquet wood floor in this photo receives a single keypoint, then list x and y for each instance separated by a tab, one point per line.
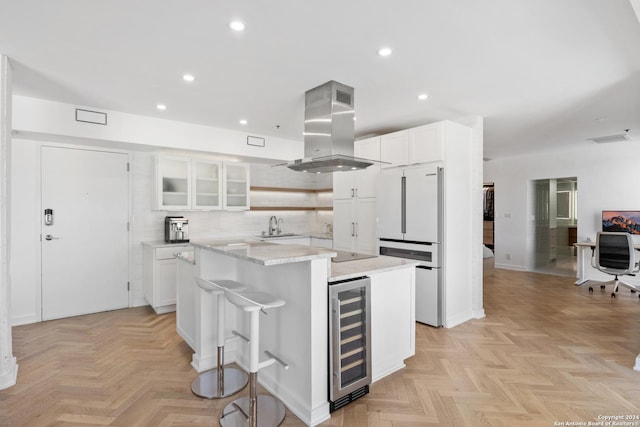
546	352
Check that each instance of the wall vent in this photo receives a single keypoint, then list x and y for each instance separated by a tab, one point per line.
610	138
88	116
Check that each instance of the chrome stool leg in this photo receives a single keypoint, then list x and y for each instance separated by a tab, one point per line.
221	381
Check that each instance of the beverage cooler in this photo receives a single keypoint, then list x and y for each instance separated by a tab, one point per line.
349	340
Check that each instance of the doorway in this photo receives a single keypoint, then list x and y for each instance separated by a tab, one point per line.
555	208
84	231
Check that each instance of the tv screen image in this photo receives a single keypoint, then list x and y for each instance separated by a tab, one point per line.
621	221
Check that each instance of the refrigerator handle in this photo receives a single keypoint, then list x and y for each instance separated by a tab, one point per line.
403	204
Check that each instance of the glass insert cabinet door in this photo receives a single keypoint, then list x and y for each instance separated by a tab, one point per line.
236	184
207	185
175	182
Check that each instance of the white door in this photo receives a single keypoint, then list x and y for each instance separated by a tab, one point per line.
85	258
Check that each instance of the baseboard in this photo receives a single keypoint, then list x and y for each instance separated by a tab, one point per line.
311	417
511	267
24	320
386	372
479	314
454	321
8	378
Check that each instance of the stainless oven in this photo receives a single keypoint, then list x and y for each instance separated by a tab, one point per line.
349	341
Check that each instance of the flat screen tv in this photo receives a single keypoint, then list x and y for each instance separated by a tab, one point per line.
624	221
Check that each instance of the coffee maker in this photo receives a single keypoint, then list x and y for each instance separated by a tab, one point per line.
176	229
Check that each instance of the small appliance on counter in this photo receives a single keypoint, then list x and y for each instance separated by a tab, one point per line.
176	229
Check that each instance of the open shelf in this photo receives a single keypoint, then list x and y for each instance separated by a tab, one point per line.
291	190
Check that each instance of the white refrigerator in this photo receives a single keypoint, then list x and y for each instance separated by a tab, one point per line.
409	226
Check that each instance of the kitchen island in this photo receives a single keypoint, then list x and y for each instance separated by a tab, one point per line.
298	331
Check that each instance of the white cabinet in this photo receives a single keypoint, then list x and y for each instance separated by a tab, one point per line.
392	321
185	183
421	144
394	149
236	187
354	225
207	185
185	301
173	183
159	281
425	143
354	202
360	183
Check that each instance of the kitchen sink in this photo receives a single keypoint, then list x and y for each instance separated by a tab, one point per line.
266	236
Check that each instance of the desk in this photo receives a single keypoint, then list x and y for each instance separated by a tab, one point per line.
581	270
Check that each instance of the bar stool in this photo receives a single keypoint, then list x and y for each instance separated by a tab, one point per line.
221	381
266	409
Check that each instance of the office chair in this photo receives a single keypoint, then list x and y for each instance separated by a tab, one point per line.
615	255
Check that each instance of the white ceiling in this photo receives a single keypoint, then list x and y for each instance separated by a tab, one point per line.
543	73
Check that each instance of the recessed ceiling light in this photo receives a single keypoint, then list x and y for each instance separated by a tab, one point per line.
385	51
237	26
423	96
243	122
161	107
188	77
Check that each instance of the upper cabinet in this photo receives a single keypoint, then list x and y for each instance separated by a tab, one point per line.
361	183
173	183
421	144
236	187
207	184
185	183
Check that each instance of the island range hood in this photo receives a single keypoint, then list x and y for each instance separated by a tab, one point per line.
329	131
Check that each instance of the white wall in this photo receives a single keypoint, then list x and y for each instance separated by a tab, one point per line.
607	179
8	365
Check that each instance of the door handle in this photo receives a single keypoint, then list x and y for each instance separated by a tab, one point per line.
50	237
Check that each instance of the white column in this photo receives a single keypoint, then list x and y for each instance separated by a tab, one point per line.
8	366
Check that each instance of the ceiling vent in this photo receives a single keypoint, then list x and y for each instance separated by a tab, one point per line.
610	138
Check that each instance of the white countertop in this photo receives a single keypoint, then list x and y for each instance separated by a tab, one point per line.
350	269
163	244
264	253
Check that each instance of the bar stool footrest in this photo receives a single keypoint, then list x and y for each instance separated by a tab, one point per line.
271	412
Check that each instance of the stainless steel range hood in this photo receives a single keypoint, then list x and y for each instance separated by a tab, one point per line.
329	131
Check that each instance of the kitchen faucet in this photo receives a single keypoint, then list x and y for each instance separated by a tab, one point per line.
273	223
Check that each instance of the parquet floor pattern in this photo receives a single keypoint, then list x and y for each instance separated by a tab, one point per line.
547	352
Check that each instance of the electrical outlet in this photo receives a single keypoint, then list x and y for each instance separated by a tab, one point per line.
508	257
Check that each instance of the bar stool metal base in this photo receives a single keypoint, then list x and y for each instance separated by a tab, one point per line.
271	412
206	384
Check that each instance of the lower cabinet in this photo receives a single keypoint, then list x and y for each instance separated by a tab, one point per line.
186	289
393	320
159	280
